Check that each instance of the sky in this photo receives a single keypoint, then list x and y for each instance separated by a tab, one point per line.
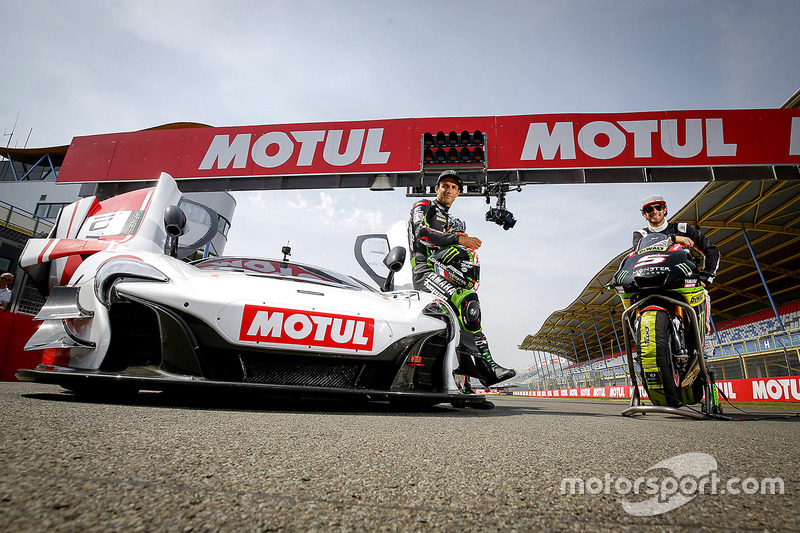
86	67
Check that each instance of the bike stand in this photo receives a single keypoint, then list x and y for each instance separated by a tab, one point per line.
637	407
709	406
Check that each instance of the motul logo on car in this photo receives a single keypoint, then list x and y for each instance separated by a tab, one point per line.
606	140
275	148
291	326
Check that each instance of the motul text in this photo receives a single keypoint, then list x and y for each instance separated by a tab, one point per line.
275	148
681	139
292	326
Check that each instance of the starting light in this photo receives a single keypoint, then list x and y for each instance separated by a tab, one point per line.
453	147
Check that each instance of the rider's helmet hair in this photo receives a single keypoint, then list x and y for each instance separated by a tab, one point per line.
453	175
653	199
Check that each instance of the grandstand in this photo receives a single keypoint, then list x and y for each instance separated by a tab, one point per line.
759	324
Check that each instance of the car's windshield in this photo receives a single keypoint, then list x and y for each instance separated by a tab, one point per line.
280	269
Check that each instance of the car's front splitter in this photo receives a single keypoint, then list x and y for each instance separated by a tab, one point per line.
81	380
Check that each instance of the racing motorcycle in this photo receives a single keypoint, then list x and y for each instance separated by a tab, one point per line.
659	285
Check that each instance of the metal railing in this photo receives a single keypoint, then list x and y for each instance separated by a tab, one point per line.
552	378
24	222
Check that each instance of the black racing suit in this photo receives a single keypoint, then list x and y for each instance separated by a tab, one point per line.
683	229
431	228
428	232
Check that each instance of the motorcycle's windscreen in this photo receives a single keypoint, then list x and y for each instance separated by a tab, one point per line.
654	242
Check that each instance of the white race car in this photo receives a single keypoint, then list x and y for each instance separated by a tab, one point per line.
124	313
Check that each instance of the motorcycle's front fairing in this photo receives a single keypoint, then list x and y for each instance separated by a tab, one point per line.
658	265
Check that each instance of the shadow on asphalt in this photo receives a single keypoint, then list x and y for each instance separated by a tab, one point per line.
759	416
249	402
729	415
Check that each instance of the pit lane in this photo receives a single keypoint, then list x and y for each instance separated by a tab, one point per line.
201	463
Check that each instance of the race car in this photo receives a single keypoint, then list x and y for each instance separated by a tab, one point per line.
125	312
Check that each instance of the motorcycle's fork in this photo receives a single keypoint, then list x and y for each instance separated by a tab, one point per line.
679	350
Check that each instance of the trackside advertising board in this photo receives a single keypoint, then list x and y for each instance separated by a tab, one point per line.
754	137
777	389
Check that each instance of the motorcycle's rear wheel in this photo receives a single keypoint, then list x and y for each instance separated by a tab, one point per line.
658	372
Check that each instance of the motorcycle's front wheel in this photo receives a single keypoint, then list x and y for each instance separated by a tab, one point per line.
658	371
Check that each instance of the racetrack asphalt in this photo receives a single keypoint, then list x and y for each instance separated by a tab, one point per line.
163	463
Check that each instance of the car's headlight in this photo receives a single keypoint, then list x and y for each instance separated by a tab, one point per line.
123	268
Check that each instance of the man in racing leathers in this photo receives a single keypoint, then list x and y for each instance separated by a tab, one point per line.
431	229
654	210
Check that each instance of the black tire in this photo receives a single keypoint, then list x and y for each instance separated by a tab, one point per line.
653	336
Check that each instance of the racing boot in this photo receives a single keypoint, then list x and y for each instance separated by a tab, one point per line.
490	371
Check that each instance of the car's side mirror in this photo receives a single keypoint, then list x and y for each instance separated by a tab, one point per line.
394	260
175	224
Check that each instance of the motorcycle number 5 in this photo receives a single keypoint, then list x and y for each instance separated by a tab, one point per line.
649	261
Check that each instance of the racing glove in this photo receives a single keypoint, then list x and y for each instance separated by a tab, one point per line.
457	226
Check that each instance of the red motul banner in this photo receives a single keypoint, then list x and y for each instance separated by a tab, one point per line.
603	140
292	326
777	389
